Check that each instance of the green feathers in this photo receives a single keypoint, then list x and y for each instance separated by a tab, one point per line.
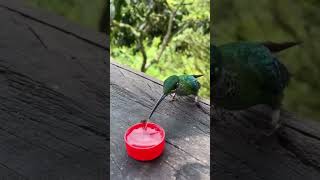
170	84
246	74
182	85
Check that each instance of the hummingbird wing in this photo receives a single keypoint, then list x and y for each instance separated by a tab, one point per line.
188	85
252	75
273	74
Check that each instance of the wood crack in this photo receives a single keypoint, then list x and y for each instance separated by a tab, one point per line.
176	146
288	146
55	27
38	37
44	147
16	172
302	132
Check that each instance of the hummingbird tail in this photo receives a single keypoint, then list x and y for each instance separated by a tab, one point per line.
196	76
277	47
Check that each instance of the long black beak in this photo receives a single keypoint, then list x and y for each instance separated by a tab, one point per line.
155	107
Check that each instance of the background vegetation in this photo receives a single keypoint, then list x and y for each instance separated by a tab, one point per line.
163	37
274	20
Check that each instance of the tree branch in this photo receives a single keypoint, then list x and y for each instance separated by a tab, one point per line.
167	37
144	54
143	30
128	26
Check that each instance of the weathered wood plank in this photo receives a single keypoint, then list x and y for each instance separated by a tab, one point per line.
239	153
187	129
7	173
53	100
57	22
49	132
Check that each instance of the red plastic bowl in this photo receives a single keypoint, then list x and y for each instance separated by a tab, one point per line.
147	145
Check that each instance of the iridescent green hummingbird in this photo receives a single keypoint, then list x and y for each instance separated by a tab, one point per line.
182	85
244	74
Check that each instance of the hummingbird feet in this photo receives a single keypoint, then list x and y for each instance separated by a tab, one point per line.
275	122
196	100
173	97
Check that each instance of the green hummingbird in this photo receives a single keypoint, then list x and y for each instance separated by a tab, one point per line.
182	85
245	74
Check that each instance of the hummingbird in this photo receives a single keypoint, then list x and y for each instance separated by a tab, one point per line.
182	85
244	74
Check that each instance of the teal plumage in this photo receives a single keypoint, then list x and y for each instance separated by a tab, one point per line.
245	74
249	74
187	85
182	85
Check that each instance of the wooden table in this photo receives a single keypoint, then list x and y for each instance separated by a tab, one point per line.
53	100
187	151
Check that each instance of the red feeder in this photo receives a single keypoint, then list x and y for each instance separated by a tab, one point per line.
144	144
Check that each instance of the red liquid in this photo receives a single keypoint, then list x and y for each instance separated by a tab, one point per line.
144	137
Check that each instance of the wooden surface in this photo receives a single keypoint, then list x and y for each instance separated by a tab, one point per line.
54	102
239	152
187	151
53	97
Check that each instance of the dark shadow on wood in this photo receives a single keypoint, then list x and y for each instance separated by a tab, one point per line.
53	97
240	151
104	23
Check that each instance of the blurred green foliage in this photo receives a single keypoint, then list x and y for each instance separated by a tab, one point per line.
84	12
275	20
139	32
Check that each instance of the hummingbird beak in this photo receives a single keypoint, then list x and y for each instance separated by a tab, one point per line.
155	107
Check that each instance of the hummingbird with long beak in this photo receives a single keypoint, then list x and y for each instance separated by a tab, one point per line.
182	85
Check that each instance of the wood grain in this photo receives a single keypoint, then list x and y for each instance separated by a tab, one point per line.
53	100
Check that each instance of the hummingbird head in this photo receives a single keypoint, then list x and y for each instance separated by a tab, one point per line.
170	84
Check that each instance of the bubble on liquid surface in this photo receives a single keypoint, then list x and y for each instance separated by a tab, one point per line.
144	137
